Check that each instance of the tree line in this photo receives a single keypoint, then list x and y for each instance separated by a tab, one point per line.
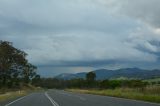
89	82
14	67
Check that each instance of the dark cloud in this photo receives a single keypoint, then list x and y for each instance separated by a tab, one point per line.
83	33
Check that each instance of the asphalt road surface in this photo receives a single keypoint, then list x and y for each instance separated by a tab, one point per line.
63	98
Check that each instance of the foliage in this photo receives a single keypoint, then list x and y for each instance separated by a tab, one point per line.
89	82
14	67
90	76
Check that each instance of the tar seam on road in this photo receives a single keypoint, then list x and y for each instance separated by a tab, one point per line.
51	100
15	101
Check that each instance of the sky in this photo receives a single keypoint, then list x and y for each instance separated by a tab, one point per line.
71	36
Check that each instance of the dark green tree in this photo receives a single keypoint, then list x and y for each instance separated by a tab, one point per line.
36	80
90	78
104	84
13	63
28	72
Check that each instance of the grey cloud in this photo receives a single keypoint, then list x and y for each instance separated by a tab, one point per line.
81	48
81	33
144	10
61	16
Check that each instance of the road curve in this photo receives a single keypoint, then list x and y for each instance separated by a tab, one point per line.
63	98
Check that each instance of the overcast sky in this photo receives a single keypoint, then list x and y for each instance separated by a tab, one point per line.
70	36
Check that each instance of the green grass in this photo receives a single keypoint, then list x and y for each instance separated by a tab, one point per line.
150	94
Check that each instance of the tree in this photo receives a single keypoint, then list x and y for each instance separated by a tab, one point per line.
114	84
36	80
104	84
90	77
13	63
28	72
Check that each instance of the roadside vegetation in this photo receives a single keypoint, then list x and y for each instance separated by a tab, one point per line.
8	94
150	94
16	73
11	95
124	88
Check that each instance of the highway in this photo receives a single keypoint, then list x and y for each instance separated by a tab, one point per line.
63	98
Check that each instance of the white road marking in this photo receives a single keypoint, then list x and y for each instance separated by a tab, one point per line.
124	99
51	100
15	101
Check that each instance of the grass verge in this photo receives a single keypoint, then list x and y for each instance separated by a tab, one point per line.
122	93
12	95
8	94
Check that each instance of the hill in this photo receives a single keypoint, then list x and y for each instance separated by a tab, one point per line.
111	74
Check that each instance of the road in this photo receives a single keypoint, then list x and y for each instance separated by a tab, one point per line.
63	98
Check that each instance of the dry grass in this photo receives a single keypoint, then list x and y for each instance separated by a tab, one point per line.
151	93
6	94
11	95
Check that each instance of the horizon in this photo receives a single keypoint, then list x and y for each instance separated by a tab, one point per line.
83	35
53	76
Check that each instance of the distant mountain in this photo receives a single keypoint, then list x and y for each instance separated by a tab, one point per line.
111	74
66	76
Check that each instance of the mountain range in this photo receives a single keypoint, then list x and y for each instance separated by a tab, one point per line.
102	74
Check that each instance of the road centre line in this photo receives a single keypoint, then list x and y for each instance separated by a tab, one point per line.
51	100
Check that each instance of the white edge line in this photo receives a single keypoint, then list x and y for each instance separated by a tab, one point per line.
51	100
15	100
120	98
138	101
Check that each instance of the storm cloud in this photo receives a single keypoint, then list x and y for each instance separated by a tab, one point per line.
83	33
